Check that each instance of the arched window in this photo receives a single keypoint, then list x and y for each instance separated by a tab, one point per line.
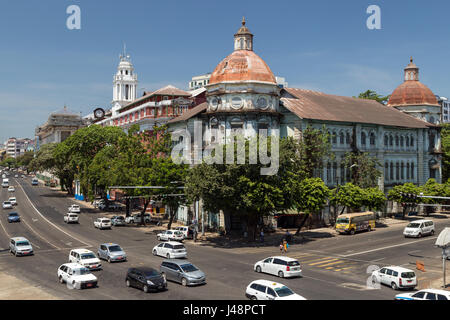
412	171
412	142
372	139
386	140
347	138
334	174
342	173
334	137
407	141
329	172
391	141
341	138
397	171
402	171
392	171
396	141
386	171
363	138
407	171
402	141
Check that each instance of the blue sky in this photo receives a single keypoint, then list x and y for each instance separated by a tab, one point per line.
322	45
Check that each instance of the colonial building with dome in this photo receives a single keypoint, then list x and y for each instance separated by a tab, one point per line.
403	135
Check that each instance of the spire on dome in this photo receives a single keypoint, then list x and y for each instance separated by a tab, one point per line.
411	71
243	39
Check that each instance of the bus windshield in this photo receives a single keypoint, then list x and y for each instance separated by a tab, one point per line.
343	220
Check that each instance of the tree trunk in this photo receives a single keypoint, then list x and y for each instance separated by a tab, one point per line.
252	224
127	207
302	224
146	203
172	213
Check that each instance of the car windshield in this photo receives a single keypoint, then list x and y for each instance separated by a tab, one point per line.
81	271
13	214
293	263
283	291
119	218
6	202
12	199
115	248
22	243
188	268
88	256
151	273
178	246
408	275
413	225
178	233
342	220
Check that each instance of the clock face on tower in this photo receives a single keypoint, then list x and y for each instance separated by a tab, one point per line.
236	103
99	113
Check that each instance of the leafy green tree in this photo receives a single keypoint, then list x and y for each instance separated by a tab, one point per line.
25	159
375	199
363	168
372	95
313	195
399	195
349	196
432	188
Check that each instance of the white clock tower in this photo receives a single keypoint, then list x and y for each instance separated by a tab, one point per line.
125	84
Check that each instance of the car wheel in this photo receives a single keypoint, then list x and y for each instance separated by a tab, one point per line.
127	283
159	238
168	256
352	232
258	269
163	275
281	274
145	288
432	232
109	260
154	252
61	280
253	298
420	235
374	280
184	282
394	286
369	229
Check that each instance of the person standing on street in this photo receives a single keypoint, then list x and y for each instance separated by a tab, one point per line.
285	246
281	247
261	236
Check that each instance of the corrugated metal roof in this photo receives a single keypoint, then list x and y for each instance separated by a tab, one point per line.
315	105
190	113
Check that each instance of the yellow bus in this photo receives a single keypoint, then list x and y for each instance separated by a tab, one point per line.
353	222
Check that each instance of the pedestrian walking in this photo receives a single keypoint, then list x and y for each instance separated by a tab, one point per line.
261	236
285	246
281	247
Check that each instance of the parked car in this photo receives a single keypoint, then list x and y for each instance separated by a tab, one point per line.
20	246
111	206
118	221
13	201
426	294
111	252
170	250
268	290
146	279
77	275
11	189
395	277
16	176
282	267
13	217
170	235
418	228
74	208
102	223
136	218
187	232
71	218
182	271
7	205
86	258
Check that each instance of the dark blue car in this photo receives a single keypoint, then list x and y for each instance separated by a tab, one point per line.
13	217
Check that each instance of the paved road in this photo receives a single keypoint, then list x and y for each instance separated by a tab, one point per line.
333	268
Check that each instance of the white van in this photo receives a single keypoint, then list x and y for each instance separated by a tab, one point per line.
419	228
395	277
5	183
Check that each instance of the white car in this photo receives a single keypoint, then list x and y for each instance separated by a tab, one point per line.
74	208
13	201
419	228
20	246
11	189
395	277
282	267
170	250
76	275
187	232
71	218
136	218
170	235
102	223
86	258
426	294
269	290
7	205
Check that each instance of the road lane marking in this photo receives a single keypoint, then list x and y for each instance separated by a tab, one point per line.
388	247
51	223
3	227
321	262
39	235
329	264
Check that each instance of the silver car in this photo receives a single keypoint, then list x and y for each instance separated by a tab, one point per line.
182	271
111	252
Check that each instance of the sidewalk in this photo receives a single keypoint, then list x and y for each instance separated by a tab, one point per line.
15	289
